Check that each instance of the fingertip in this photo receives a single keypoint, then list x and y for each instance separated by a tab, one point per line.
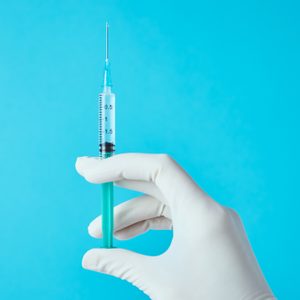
95	233
79	164
86	161
89	260
85	166
93	259
97	259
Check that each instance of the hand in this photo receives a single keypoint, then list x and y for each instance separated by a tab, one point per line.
210	256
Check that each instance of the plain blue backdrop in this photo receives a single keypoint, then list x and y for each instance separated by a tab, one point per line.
213	83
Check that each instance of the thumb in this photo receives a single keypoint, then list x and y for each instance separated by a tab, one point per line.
121	263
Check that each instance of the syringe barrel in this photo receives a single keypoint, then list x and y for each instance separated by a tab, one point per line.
107	132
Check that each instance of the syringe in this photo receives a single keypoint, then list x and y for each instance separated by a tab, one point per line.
107	148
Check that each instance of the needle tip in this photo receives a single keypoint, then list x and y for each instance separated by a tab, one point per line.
106	42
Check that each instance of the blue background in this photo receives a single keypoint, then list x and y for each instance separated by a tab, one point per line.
213	83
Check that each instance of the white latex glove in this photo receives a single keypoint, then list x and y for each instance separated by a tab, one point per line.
210	256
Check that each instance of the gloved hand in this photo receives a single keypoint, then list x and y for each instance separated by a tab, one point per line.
210	256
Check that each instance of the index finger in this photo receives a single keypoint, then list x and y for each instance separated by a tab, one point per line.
160	169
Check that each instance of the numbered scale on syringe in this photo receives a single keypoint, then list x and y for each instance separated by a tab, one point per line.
107	122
